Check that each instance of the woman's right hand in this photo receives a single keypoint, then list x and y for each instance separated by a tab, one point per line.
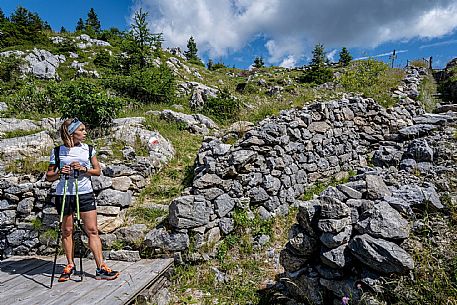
65	170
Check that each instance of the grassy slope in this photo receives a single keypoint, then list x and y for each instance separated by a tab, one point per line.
247	270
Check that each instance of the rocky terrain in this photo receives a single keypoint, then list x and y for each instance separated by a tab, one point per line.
392	168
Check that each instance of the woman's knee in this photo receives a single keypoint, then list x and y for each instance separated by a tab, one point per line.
67	231
92	230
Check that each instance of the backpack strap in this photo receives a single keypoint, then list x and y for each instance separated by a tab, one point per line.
91	149
57	156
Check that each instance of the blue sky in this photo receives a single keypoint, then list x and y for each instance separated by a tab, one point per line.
283	32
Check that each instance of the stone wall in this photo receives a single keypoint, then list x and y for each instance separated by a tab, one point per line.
27	213
272	164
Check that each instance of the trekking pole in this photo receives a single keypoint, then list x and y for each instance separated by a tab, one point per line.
60	226
79	228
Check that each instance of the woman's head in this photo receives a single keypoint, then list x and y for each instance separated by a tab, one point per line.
72	132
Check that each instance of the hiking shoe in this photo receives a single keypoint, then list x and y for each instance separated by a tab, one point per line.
67	272
105	273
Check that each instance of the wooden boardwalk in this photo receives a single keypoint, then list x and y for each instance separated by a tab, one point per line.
26	280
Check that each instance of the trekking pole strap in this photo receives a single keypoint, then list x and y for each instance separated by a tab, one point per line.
76	175
64	198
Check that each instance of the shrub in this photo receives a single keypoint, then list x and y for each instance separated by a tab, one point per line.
10	68
102	59
448	87
373	79
32	97
317	75
148	86
224	107
84	99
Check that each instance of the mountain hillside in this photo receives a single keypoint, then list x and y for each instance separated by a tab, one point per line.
323	184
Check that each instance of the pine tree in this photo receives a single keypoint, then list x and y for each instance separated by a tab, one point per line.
46	26
210	64
191	53
92	21
140	41
318	73
24	26
80	25
345	57
319	58
63	30
2	16
258	62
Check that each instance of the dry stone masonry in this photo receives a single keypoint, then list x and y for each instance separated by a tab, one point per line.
349	235
270	167
27	214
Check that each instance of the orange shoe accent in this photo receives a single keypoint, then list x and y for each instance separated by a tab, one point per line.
67	272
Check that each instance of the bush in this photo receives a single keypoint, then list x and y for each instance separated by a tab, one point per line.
317	75
32	97
373	79
224	107
148	86
10	68
448	87
84	99
102	59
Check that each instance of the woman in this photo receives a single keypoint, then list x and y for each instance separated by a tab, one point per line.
74	156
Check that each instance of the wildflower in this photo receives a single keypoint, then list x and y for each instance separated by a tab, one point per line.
345	300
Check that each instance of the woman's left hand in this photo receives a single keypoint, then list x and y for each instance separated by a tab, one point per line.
77	166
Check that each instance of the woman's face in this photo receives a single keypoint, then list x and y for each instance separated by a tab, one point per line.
80	134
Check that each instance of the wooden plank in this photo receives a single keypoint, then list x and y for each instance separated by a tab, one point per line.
78	293
32	287
15	267
37	294
137	282
24	284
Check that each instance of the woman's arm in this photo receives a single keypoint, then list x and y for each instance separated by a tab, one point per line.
52	174
96	169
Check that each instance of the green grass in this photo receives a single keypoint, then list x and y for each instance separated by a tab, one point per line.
427	91
20	133
147	216
373	79
27	165
244	275
434	278
178	173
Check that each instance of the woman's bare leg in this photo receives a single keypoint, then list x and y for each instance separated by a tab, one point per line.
95	244
67	237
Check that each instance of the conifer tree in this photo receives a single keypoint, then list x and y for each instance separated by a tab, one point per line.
63	30
191	53
92	21
140	41
210	64
258	62
80	25
318	73
2	16
319	58
24	26
345	57
46	26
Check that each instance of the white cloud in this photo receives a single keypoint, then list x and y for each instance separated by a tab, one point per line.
439	44
289	62
382	54
331	55
293	27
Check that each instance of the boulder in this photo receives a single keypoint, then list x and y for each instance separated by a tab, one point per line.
381	255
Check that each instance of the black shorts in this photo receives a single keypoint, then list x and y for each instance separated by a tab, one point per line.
86	203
